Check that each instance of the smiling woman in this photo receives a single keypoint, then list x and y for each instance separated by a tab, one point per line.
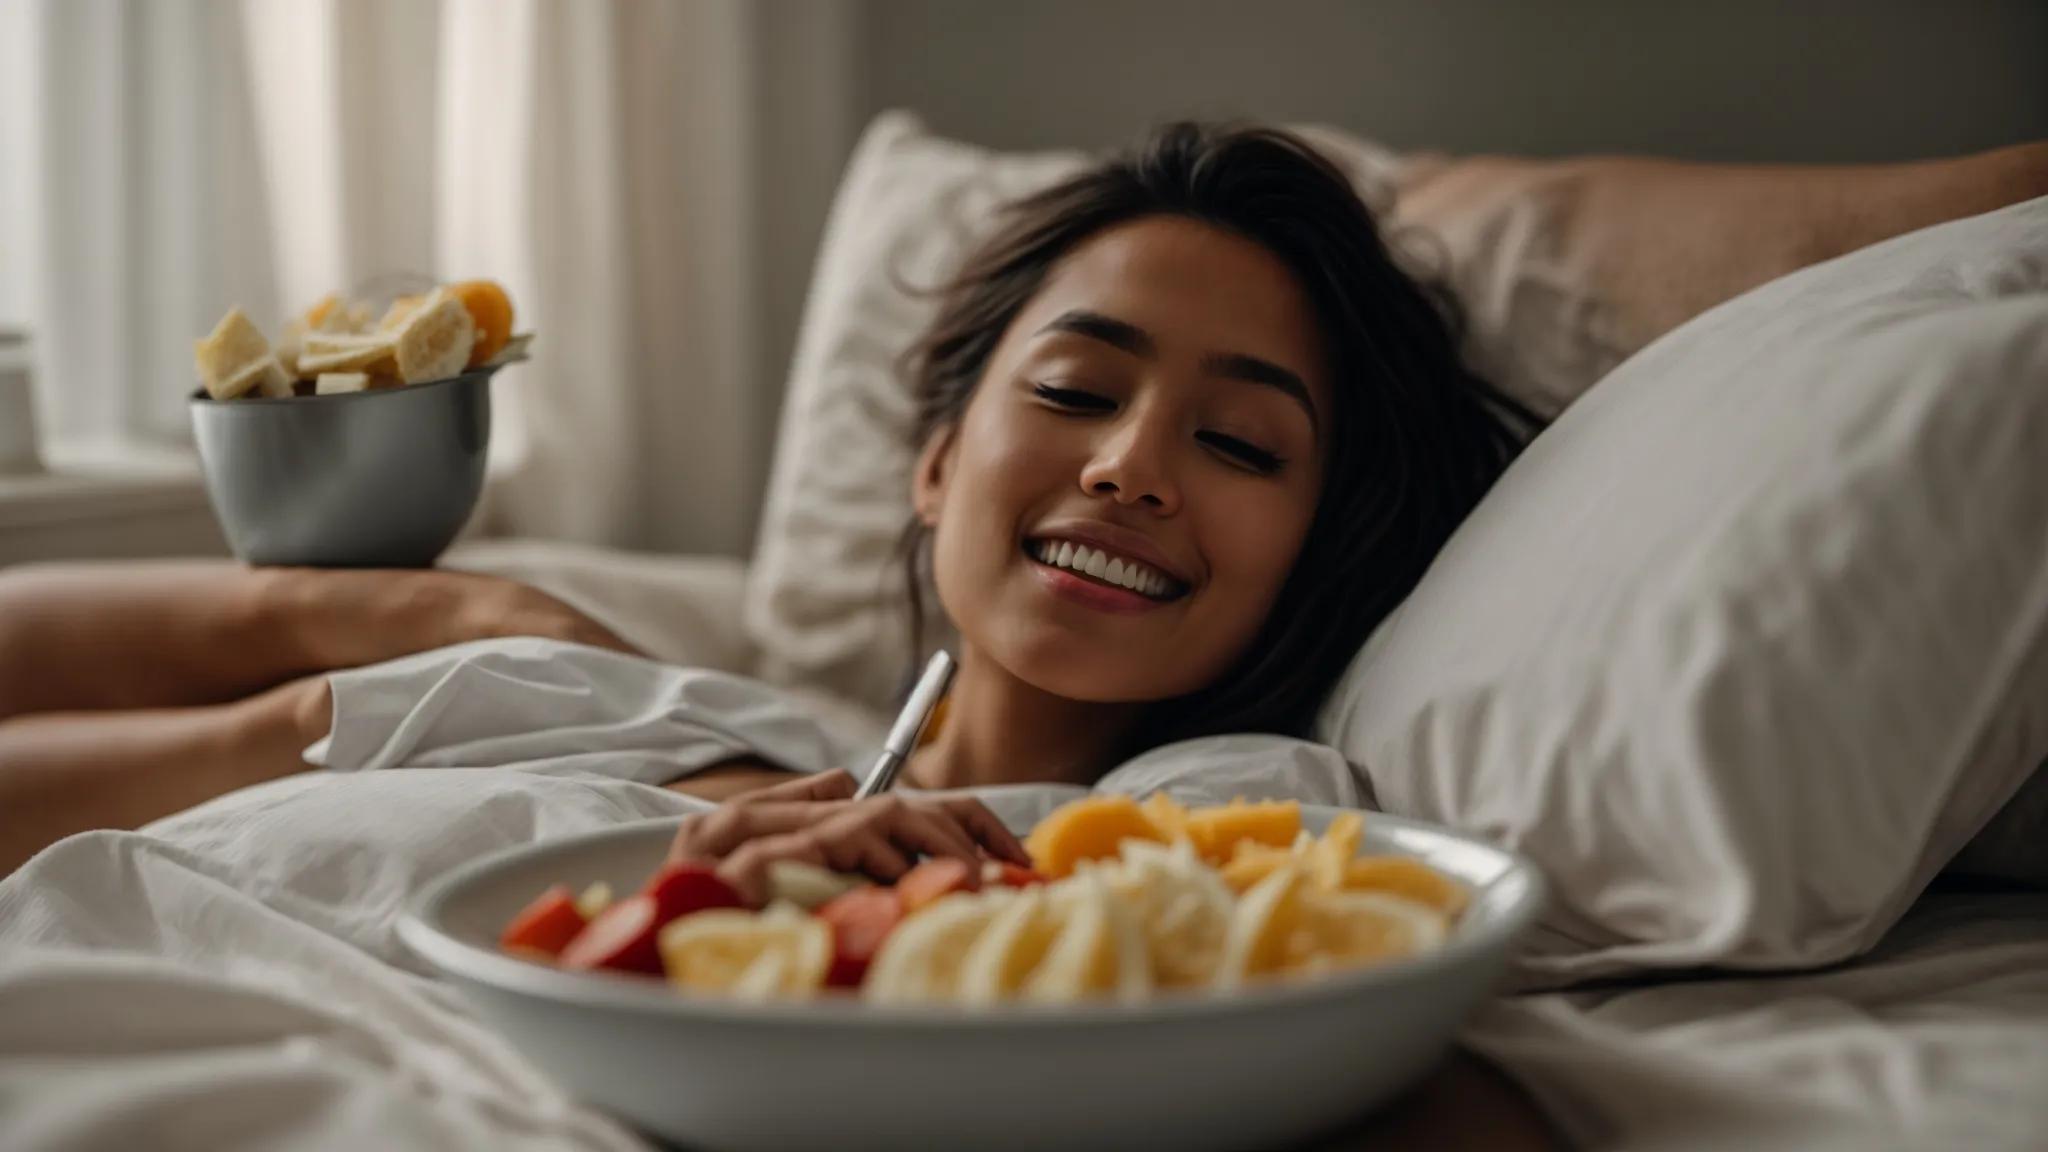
1186	434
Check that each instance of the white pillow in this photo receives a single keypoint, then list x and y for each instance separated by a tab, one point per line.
1755	637
825	598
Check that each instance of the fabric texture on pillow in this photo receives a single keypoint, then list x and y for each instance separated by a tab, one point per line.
1754	639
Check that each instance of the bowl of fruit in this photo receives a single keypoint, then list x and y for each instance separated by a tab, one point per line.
359	439
1242	976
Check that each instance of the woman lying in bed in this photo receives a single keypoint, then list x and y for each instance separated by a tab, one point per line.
1187	435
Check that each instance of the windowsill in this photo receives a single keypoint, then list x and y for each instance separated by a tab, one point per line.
105	502
135	501
95	483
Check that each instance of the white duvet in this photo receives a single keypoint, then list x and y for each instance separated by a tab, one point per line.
229	978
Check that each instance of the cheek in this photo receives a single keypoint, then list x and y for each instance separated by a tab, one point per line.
1252	541
997	475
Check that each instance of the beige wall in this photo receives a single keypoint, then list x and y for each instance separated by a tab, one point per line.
1811	80
1820	80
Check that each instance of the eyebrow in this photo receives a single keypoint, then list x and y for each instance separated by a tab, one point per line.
1230	365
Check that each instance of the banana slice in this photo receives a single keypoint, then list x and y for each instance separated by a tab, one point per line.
1100	950
233	357
345	352
1013	945
1354	929
806	885
779	953
1257	943
434	340
1328	854
335	383
922	960
1182	907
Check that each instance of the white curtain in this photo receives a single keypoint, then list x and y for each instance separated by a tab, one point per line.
600	159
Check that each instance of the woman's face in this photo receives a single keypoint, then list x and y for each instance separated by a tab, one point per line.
1158	401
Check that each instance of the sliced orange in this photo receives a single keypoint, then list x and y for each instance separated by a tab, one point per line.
491	309
1089	829
1217	831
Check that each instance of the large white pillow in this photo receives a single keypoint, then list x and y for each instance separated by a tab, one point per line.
1755	637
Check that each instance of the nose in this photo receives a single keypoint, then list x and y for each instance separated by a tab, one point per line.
1132	464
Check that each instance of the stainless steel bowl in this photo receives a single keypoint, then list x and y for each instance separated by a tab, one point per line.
362	479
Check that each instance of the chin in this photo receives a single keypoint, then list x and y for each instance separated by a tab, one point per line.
1063	665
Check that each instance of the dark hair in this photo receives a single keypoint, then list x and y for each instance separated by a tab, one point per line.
1415	438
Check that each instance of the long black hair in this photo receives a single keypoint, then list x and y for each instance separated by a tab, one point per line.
1416	437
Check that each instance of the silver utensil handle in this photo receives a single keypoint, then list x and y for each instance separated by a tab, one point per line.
917	712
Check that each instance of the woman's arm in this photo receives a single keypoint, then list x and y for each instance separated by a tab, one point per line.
81	637
68	772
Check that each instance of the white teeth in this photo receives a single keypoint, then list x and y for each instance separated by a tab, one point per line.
1102	566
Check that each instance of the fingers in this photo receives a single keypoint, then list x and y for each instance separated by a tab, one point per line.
857	840
725	829
986	828
747	868
811	819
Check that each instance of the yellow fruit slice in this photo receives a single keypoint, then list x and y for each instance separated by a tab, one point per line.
335	383
1217	831
345	352
1182	906
1351	929
1014	944
1166	815
329	315
1257	943
401	309
1100	950
1253	863
231	359
435	341
1409	878
1088	829
768	955
491	309
921	961
1327	855
595	899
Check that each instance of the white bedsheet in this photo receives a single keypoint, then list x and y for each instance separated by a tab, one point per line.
229	978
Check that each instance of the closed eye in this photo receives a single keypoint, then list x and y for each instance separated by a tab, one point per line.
1073	398
1250	455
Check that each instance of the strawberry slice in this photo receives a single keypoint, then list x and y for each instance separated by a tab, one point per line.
860	920
680	889
939	876
621	939
1016	875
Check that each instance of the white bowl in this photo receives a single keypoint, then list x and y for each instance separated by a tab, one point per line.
1254	1069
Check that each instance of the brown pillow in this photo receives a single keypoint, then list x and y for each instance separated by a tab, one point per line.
1567	267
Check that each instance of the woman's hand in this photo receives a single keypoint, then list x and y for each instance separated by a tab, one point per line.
815	820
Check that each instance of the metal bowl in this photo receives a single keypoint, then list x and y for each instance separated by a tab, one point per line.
381	479
1262	1068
